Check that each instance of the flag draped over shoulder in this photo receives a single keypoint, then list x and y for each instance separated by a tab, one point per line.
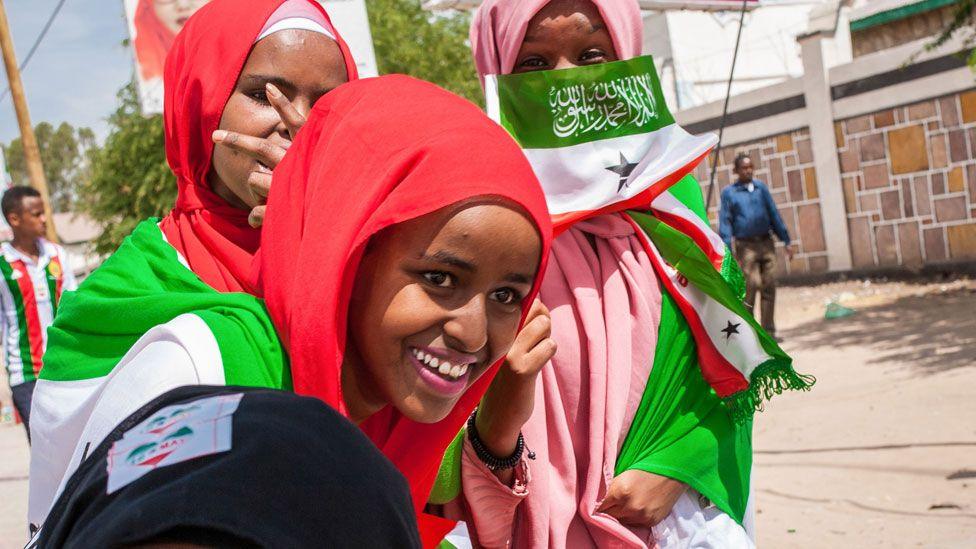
144	285
602	141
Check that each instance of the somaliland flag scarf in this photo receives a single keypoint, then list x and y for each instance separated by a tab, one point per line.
602	141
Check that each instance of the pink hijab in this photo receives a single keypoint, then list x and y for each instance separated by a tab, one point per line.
498	30
605	303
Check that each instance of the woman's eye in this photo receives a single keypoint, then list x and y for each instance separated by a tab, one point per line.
439	279
592	55
261	96
534	62
506	296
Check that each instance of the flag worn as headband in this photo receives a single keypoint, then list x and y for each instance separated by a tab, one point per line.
201	71
373	154
602	140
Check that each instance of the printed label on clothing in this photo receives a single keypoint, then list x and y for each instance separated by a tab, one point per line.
172	435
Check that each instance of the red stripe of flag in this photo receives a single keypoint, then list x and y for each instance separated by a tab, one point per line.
642	200
722	375
35	334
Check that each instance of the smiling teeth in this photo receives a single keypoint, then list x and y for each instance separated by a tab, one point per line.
441	366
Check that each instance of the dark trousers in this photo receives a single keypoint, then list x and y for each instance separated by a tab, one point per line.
757	258
22	402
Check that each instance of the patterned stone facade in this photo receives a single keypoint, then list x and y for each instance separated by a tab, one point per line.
785	163
909	178
909	182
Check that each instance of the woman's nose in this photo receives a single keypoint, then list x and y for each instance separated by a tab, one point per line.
565	63
467	329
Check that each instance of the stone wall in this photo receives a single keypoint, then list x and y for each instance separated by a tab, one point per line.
923	25
909	179
785	163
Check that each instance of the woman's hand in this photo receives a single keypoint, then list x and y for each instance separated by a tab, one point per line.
267	152
508	403
638	498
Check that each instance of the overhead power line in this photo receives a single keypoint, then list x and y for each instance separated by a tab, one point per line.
37	41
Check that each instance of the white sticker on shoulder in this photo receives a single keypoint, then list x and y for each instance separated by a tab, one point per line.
171	435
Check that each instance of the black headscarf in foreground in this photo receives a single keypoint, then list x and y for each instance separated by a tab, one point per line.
297	475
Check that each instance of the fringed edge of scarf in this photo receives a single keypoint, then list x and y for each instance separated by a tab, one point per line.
771	378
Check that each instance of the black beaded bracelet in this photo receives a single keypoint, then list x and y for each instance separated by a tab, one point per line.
493	463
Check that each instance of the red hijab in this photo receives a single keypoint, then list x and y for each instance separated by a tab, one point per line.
201	72
375	153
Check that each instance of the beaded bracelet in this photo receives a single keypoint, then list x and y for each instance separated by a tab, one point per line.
493	463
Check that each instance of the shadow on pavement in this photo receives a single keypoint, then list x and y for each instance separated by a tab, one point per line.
935	332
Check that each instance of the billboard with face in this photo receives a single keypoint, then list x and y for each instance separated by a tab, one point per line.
153	24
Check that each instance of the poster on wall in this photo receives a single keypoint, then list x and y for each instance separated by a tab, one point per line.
153	24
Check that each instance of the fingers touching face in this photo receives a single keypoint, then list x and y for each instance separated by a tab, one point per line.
300	67
437	300
563	35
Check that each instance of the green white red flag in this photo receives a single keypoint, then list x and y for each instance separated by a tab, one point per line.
602	141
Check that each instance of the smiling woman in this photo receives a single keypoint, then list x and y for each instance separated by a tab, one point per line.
394	248
386	248
449	310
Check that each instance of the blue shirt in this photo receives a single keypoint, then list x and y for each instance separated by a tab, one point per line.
746	213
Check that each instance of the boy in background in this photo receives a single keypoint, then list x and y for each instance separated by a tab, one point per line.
35	274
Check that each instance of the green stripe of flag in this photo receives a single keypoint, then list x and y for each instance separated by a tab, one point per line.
27	360
561	108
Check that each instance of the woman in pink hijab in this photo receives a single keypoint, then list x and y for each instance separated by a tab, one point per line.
606	309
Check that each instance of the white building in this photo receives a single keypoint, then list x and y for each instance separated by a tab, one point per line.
693	48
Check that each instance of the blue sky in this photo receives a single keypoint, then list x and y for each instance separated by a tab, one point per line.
77	70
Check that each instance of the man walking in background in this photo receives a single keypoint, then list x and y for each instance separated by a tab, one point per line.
748	216
35	273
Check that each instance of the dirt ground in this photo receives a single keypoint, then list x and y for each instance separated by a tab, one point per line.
882	453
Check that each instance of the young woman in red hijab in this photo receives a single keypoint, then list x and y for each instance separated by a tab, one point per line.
243	73
397	270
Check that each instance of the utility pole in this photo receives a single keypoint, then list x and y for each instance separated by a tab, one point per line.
32	154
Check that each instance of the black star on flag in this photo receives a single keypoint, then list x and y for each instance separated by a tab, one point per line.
624	170
730	329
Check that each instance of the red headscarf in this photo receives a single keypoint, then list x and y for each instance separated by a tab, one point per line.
375	153
201	72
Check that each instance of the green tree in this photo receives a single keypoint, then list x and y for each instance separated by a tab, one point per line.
64	154
411	40
130	179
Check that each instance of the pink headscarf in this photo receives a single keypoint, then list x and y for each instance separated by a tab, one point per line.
498	30
599	276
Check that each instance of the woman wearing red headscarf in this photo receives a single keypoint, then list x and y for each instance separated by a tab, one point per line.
242	72
396	270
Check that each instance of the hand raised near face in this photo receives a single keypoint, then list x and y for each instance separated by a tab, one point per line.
267	152
508	403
